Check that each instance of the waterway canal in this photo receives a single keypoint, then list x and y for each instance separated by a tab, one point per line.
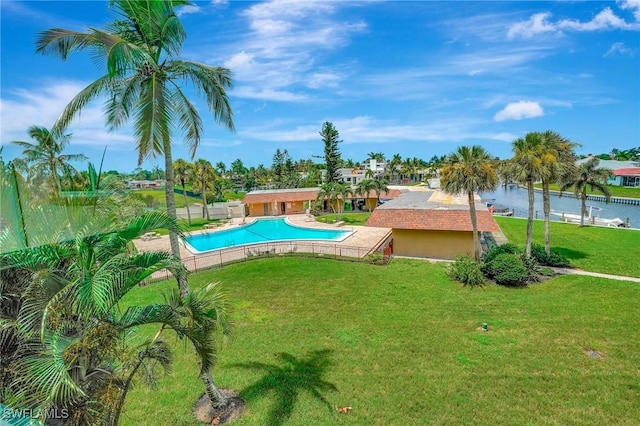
515	198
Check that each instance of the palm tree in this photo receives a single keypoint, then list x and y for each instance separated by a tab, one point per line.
45	157
588	175
379	186
144	81
204	175
558	161
336	194
470	170
364	188
72	337
221	168
183	171
395	161
527	167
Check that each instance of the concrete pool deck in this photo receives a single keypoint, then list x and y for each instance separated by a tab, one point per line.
358	244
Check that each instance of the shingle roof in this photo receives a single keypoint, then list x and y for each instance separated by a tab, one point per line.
281	195
631	171
431	210
433	220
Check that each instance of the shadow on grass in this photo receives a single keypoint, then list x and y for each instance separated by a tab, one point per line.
287	379
570	253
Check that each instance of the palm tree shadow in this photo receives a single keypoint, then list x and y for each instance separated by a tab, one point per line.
571	254
287	380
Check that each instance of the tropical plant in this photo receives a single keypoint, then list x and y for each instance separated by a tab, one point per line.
558	162
204	176
336	195
527	167
45	158
144	80
364	188
393	165
184	171
470	170
588	175
69	334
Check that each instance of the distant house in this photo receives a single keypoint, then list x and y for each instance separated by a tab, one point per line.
142	184
626	177
431	224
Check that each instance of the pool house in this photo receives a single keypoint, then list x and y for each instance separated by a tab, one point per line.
275	202
431	224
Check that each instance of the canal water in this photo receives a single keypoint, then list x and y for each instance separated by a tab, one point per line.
514	197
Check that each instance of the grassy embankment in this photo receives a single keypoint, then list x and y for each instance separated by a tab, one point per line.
592	248
401	345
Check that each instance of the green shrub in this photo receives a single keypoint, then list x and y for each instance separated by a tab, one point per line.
508	269
465	270
496	250
375	258
552	259
545	271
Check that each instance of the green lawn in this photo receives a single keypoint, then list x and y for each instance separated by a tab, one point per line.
348	218
401	346
616	191
159	197
593	248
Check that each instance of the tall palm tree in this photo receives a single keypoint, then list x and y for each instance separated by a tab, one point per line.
588	175
395	161
45	158
336	195
144	81
183	171
204	175
527	167
221	168
558	161
470	170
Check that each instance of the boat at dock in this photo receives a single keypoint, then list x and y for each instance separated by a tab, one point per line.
590	218
497	209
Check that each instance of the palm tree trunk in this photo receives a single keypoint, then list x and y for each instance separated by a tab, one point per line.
477	248
186	203
171	211
530	217
583	207
546	207
215	396
204	200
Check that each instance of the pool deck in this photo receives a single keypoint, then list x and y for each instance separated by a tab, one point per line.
358	244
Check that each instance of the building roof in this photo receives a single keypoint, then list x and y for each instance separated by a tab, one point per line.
431	210
611	164
631	171
280	195
300	194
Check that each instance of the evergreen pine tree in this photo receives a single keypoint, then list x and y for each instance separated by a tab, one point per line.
331	152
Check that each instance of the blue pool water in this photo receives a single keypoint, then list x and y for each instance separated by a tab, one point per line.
260	231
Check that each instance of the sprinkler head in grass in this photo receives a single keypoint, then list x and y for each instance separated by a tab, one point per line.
485	326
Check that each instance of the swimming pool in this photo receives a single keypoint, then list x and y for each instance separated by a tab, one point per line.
261	231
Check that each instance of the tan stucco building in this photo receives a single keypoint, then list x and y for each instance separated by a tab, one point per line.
431	224
274	202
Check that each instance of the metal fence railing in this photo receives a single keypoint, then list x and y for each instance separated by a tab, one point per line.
229	256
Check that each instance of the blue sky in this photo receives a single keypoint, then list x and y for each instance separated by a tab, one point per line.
408	77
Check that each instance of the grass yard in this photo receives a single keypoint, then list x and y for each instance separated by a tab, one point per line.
616	191
159	197
348	218
592	248
401	346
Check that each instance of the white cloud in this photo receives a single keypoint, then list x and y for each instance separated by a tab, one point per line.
188	9
633	5
606	19
284	43
620	49
519	110
41	106
251	92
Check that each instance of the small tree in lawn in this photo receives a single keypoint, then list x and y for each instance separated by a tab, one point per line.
470	170
183	171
